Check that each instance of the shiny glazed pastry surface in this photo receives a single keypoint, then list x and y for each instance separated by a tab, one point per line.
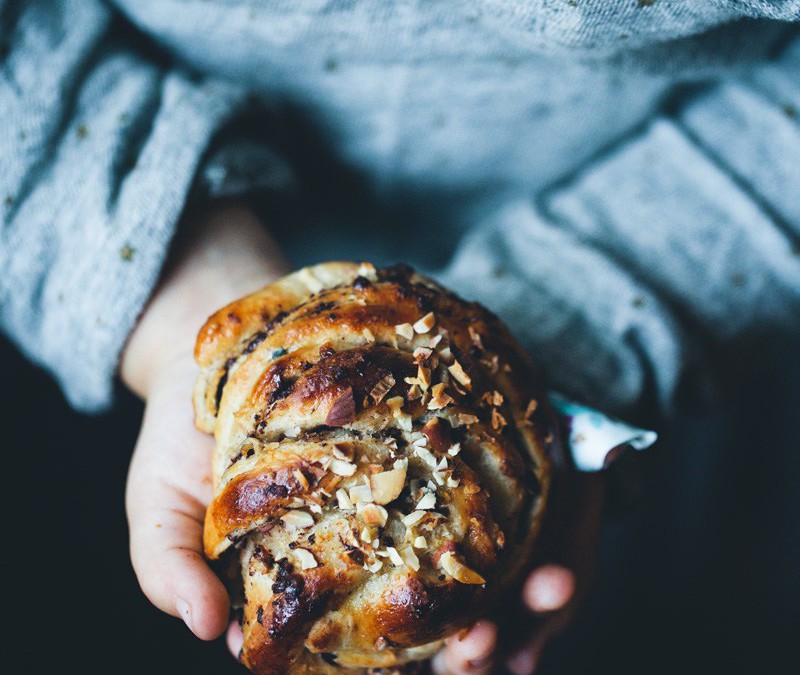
383	460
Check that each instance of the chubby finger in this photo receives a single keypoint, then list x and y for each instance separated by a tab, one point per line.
469	653
549	588
165	552
234	639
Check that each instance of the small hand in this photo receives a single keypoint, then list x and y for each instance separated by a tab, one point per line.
549	594
226	255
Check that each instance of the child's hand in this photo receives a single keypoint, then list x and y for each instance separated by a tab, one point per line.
548	596
227	255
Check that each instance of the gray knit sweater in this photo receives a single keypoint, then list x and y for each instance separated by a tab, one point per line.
619	179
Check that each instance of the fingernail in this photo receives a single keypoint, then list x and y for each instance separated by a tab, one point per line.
185	612
478	664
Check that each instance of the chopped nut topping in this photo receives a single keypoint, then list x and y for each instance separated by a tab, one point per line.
439	477
465	419
494	398
422	354
409	558
315	508
368	334
305	558
344	452
425	455
424	377
442	465
492	364
395	405
382	388
434	341
342	468
360	493
367	534
344	499
425	323
437	433
387	485
301	479
452	482
475	336
405	330
342	410
420	542
394	556
454	449
297	519
413	518
374	567
427	503
440	398
292	432
446	354
458	570
458	372
372	514
498	421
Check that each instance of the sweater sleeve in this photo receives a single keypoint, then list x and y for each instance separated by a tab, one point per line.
101	141
679	247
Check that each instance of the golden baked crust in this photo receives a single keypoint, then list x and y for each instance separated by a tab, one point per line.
383	461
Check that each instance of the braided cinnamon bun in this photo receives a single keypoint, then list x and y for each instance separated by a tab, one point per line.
382	464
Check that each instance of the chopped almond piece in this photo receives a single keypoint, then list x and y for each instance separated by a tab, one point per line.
494	398
422	354
409	558
360	493
458	570
372	514
382	388
305	558
405	330
454	449
395	404
343	451
458	372
420	542
427	503
465	419
413	518
440	399
344	499
394	556
498	421
374	567
475	336
343	468
434	341
452	482
437	433
425	455
301	479
425	323
387	485
424	377
297	519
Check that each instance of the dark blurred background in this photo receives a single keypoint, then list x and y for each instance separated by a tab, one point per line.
701	574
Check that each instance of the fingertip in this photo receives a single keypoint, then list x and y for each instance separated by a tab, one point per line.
234	639
549	588
471	651
203	604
